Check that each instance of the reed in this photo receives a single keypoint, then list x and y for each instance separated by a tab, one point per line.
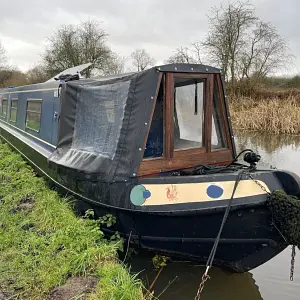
276	112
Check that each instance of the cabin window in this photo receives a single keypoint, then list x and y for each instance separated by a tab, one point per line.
155	141
4	108
33	114
13	109
188	113
99	118
218	139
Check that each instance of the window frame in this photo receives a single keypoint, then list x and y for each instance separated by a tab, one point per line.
2	116
13	108
192	149
33	100
187	158
178	153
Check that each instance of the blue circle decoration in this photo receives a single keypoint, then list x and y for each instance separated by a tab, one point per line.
139	194
214	191
146	194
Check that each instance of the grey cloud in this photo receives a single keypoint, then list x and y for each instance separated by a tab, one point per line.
154	24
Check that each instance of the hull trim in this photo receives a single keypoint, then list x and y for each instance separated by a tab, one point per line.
23	131
266	242
27	91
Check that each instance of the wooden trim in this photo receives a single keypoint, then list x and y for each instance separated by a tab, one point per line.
189	158
192	151
169	114
208	112
158	165
152	112
225	121
189	151
189	75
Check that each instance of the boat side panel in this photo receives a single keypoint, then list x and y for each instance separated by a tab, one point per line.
48	93
119	195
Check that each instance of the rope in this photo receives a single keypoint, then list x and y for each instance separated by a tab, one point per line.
211	257
214	249
232	167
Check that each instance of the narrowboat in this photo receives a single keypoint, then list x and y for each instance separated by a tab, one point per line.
155	149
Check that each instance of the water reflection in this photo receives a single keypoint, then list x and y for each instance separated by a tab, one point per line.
280	151
269	281
180	280
266	142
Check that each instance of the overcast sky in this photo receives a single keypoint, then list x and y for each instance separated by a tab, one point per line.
159	26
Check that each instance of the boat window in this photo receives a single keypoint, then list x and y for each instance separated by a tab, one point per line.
33	114
99	118
13	109
188	113
4	108
218	139
155	145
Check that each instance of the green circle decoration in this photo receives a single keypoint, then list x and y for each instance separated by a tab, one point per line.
139	194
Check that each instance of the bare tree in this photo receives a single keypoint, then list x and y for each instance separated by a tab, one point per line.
2	55
36	74
5	75
241	44
264	51
181	55
196	49
188	55
74	45
226	37
141	60
11	76
115	64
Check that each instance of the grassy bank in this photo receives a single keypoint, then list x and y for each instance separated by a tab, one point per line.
43	244
269	110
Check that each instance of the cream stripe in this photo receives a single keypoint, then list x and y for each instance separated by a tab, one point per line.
162	194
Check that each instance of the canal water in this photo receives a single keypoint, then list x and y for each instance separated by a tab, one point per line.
180	280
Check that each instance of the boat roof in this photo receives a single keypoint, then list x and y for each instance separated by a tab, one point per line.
121	105
176	67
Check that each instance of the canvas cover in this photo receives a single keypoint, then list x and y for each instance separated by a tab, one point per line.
104	123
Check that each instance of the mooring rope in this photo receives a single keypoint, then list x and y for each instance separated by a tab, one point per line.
285	211
211	257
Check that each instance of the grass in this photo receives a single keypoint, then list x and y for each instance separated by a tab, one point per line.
42	242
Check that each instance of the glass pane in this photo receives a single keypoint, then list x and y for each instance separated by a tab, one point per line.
34	105
4	108
33	124
218	136
13	114
14	103
155	141
188	113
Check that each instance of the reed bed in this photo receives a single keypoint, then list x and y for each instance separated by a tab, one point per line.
277	114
